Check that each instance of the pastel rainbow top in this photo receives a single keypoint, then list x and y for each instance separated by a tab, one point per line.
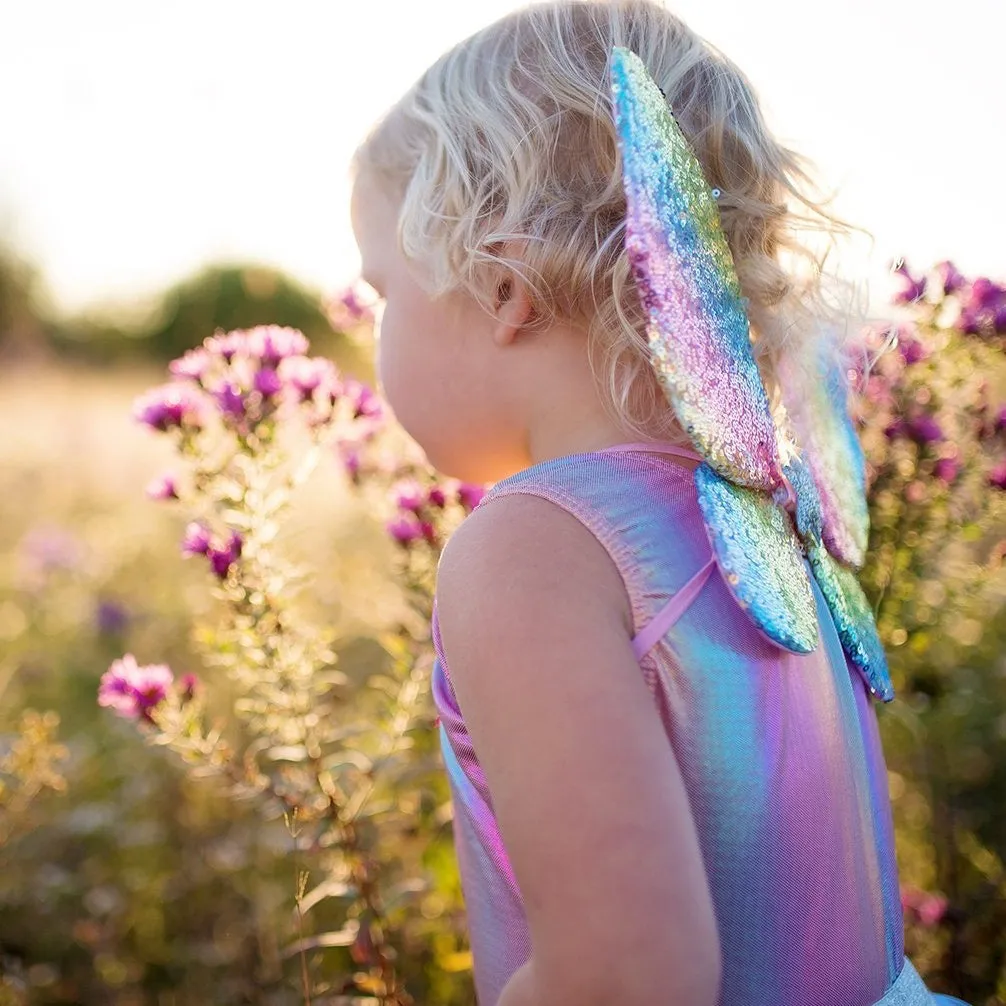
779	751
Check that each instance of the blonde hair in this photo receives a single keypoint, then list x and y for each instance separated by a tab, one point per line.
508	141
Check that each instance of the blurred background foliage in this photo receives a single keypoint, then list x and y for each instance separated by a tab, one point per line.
124	881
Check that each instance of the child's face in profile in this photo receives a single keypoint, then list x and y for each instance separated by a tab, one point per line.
437	363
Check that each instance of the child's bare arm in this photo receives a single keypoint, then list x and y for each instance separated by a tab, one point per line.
536	626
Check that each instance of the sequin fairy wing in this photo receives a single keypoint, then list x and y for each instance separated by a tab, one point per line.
824	428
760	559
697	323
846	601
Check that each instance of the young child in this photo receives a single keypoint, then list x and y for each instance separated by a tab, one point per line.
654	802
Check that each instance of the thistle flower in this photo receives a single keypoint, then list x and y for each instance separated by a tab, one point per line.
409	495
405	529
193	365
272	343
267	382
997	476
946	469
221	559
924	429
950	277
197	539
913	288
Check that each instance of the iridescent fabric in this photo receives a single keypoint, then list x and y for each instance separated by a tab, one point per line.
779	751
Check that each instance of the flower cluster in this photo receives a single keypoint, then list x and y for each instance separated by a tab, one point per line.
245	376
419	508
135	691
199	540
981	303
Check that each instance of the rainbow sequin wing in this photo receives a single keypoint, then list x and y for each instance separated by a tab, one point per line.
760	559
846	601
697	321
827	433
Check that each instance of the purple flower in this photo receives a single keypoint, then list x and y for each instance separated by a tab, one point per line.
110	618
163	488
365	402
409	495
193	365
226	344
267	382
912	351
405	528
306	374
924	429
272	343
997	476
134	691
429	531
913	288
470	495
951	279
197	539
1000	421
898	428
171	405
352	461
946	469
969	321
436	497
999	319
221	559
985	294
229	400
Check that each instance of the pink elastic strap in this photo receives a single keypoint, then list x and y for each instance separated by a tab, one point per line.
660	624
658	447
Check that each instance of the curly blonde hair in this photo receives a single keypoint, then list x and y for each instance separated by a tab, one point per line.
508	141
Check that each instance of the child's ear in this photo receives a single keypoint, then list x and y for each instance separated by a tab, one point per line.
513	308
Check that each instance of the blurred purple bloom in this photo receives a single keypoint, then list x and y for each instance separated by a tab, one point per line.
913	288
272	343
352	461
950	277
969	321
221	559
134	691
306	374
924	429
193	365
365	402
470	495
226	344
163	488
429	531
110	618
999	318
405	528
985	294
267	382
997	476
229	400
170	405
409	495
197	539
436	497
947	469
1000	421
912	350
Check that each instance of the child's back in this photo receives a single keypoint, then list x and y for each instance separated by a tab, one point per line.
779	753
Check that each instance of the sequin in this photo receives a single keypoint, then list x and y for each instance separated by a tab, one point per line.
760	558
697	321
853	619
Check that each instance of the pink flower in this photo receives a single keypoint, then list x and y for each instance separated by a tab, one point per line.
221	559
229	400
188	685
226	345
405	528
950	277
931	909
365	402
163	488
997	476
913	288
134	691
409	495
946	469
272	343
267	382
170	406
924	429
436	497
193	365
197	539
306	374
470	495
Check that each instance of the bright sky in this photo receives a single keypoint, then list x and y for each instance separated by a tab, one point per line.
139	140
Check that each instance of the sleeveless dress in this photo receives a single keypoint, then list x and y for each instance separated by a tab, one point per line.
780	755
